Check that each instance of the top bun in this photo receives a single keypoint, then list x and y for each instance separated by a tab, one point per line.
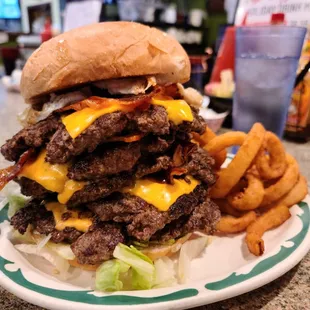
103	51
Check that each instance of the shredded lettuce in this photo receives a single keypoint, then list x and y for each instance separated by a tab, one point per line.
61	265
143	269
57	254
16	202
165	273
27	237
189	250
168	242
62	249
108	275
138	244
41	242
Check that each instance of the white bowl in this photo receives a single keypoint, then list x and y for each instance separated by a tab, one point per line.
213	119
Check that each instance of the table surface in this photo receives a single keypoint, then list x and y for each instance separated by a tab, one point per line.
291	291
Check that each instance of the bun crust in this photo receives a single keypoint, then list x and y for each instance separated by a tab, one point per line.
103	51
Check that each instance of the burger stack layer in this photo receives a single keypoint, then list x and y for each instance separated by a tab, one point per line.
104	168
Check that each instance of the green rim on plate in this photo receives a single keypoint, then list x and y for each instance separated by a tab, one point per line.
86	296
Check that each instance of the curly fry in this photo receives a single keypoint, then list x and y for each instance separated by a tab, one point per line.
225	207
230	176
230	225
275	191
271	219
274	165
224	141
251	197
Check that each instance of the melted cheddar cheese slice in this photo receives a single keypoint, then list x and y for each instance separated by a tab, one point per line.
52	177
75	123
80	224
178	110
162	195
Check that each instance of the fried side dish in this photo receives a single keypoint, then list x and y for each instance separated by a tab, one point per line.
257	188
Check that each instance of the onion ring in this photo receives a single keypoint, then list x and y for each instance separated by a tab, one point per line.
251	197
271	219
275	191
230	176
297	193
225	207
204	139
274	165
230	225
225	140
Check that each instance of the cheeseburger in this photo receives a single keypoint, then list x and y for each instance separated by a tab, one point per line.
106	154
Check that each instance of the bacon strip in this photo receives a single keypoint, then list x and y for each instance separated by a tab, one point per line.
95	102
9	173
177	171
127	139
181	154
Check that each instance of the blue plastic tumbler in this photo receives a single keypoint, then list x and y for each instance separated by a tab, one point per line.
266	62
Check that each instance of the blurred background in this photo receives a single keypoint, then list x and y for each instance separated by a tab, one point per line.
205	28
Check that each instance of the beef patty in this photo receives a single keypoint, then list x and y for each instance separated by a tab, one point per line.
105	187
61	147
91	247
31	137
203	218
35	214
104	162
122	218
143	219
126	165
98	243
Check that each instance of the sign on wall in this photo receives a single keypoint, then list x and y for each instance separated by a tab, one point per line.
297	12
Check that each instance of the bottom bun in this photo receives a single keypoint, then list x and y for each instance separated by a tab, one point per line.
75	263
165	250
153	252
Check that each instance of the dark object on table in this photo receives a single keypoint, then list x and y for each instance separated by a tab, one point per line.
298	129
198	72
302	74
221	105
9	56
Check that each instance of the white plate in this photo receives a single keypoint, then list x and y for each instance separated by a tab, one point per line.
225	269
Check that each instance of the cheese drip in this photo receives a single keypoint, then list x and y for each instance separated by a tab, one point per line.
80	224
162	195
75	123
51	177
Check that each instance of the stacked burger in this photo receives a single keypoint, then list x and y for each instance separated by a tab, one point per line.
106	153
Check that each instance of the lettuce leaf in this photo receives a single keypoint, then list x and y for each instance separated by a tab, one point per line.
108	275
143	269
16	202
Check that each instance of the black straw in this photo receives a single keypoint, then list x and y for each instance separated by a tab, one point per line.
302	74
